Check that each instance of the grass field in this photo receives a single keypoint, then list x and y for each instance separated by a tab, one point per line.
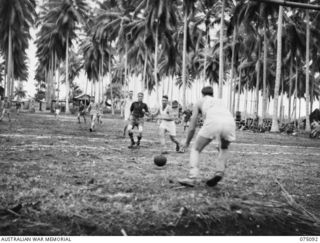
57	178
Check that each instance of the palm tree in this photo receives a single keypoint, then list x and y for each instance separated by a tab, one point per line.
16	18
20	92
66	15
275	125
188	10
161	21
308	128
221	58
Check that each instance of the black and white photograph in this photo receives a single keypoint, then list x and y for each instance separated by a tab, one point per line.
160	118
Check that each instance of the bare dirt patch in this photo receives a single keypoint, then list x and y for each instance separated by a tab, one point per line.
57	178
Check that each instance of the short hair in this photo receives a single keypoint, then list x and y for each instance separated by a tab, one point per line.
208	90
131	92
165	97
140	93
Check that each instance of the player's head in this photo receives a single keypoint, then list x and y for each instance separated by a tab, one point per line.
140	96
207	91
130	94
165	99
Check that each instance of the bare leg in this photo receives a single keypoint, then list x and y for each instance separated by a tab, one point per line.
221	163
174	139
162	140
125	129
130	133
140	134
199	145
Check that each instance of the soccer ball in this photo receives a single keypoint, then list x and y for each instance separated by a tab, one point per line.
160	160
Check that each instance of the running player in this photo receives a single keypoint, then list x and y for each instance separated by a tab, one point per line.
126	109
167	124
93	108
186	118
218	124
82	112
138	109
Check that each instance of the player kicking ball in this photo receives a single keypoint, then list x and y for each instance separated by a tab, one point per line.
218	124
167	124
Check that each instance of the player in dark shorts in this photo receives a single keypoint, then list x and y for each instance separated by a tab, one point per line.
82	112
138	109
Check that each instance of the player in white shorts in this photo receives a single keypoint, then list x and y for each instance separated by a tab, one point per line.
218	124
126	110
167	124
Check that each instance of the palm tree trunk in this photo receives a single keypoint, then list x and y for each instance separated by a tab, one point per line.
145	73
110	78
232	67
156	63
312	87
246	102
275	125
308	128
184	57
257	83
126	83
265	60
281	101
12	79
299	112
296	94
58	81
221	61
239	90
102	74
205	57
172	86
67	75
9	64
290	89
234	96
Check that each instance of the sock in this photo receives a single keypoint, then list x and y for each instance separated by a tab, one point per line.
139	138
131	137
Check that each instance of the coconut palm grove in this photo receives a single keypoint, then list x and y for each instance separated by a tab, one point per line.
91	152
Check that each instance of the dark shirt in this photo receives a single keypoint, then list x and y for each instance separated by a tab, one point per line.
136	109
187	115
81	108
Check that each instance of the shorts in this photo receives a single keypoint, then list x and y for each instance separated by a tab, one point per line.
219	129
169	126
137	122
82	113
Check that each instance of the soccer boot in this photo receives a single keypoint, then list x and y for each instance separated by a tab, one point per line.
214	180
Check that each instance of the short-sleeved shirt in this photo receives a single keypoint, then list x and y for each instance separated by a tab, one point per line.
138	109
